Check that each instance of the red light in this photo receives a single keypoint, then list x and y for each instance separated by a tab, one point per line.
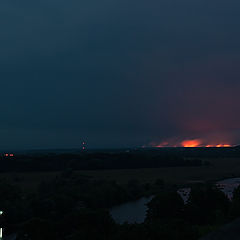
11	155
6	155
191	143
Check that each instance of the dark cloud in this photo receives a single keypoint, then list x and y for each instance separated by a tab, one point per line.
117	73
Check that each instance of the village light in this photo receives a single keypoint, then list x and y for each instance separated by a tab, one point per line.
1	230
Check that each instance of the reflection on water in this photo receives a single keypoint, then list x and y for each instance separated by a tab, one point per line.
184	194
228	186
131	212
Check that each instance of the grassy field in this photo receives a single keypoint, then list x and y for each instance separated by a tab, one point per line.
220	168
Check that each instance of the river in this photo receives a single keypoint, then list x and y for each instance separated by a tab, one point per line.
131	212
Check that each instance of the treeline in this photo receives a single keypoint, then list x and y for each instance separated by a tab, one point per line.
198	152
95	161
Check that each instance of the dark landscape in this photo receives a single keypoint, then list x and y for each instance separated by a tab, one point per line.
119	120
70	194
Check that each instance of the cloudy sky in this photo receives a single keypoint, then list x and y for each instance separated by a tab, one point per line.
118	73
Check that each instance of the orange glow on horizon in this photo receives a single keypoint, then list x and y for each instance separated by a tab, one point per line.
219	145
191	143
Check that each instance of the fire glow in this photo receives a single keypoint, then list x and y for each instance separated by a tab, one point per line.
191	143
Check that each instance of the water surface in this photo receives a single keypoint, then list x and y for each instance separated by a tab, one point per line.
131	212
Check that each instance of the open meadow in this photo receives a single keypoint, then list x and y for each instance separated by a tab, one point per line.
220	168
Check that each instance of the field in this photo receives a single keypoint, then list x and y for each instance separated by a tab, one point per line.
220	168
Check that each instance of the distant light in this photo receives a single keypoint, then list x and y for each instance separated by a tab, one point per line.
11	155
6	155
191	143
1	230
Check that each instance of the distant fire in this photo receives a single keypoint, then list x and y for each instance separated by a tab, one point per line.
219	145
190	143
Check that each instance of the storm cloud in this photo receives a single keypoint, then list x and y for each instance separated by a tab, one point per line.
118	73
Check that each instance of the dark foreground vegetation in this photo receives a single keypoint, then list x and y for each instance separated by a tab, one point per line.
69	207
74	207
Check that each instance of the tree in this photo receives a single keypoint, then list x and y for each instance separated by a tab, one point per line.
172	229
206	205
235	205
165	205
38	229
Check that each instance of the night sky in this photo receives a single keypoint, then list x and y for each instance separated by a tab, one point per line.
118	73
